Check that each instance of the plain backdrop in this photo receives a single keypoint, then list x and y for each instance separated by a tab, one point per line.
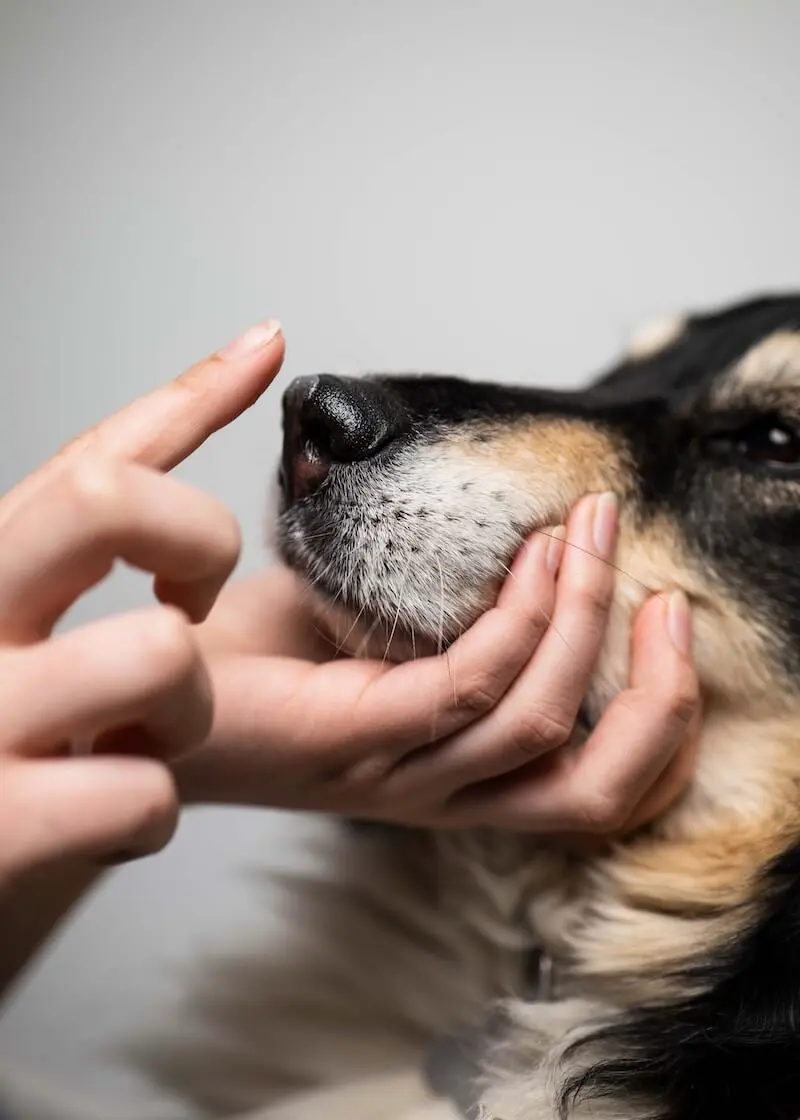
493	188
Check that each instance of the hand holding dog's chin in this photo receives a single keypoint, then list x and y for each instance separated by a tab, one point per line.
478	737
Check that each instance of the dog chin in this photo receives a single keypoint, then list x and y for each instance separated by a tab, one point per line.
358	635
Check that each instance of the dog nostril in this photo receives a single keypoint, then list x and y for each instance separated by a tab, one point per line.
349	419
330	420
320	437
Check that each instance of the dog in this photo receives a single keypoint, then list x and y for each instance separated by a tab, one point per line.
675	953
444	976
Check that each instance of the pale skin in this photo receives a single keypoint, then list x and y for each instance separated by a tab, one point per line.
228	693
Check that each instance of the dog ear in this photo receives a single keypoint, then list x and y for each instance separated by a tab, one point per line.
643	368
658	359
679	355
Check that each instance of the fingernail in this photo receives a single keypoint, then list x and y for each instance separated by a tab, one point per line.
251	341
555	547
679	622
604	528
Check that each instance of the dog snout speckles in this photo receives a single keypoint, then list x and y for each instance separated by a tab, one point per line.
419	545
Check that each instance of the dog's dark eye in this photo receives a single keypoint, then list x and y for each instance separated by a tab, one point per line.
767	440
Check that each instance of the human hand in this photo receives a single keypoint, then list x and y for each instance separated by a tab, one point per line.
479	736
135	685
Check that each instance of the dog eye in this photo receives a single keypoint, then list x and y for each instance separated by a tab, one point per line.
768	441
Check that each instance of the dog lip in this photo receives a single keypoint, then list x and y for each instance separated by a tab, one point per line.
307	471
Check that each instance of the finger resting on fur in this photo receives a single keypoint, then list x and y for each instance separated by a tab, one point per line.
423	701
629	750
669	786
537	714
633	744
546	697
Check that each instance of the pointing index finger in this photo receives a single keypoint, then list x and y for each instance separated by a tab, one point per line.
163	428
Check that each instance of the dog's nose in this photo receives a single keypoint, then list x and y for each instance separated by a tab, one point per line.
329	420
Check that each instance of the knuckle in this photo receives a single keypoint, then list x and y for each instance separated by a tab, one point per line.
229	537
602	811
94	488
595	600
683	701
682	770
540	732
537	620
367	773
197	706
480	695
593	593
170	647
157	814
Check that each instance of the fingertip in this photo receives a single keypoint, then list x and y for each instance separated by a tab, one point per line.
538	559
650	638
661	660
665	619
679	623
255	359
556	542
88	808
149	808
193	600
650	621
582	510
255	339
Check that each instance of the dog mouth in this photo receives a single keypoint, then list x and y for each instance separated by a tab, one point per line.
379	629
367	633
403	536
386	578
403	516
397	565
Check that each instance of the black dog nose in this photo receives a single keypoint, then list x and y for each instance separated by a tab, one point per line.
330	420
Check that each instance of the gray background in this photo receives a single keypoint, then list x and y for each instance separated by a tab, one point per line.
495	188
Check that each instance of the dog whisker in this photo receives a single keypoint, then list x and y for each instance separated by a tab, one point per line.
340	646
602	559
364	644
397	612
